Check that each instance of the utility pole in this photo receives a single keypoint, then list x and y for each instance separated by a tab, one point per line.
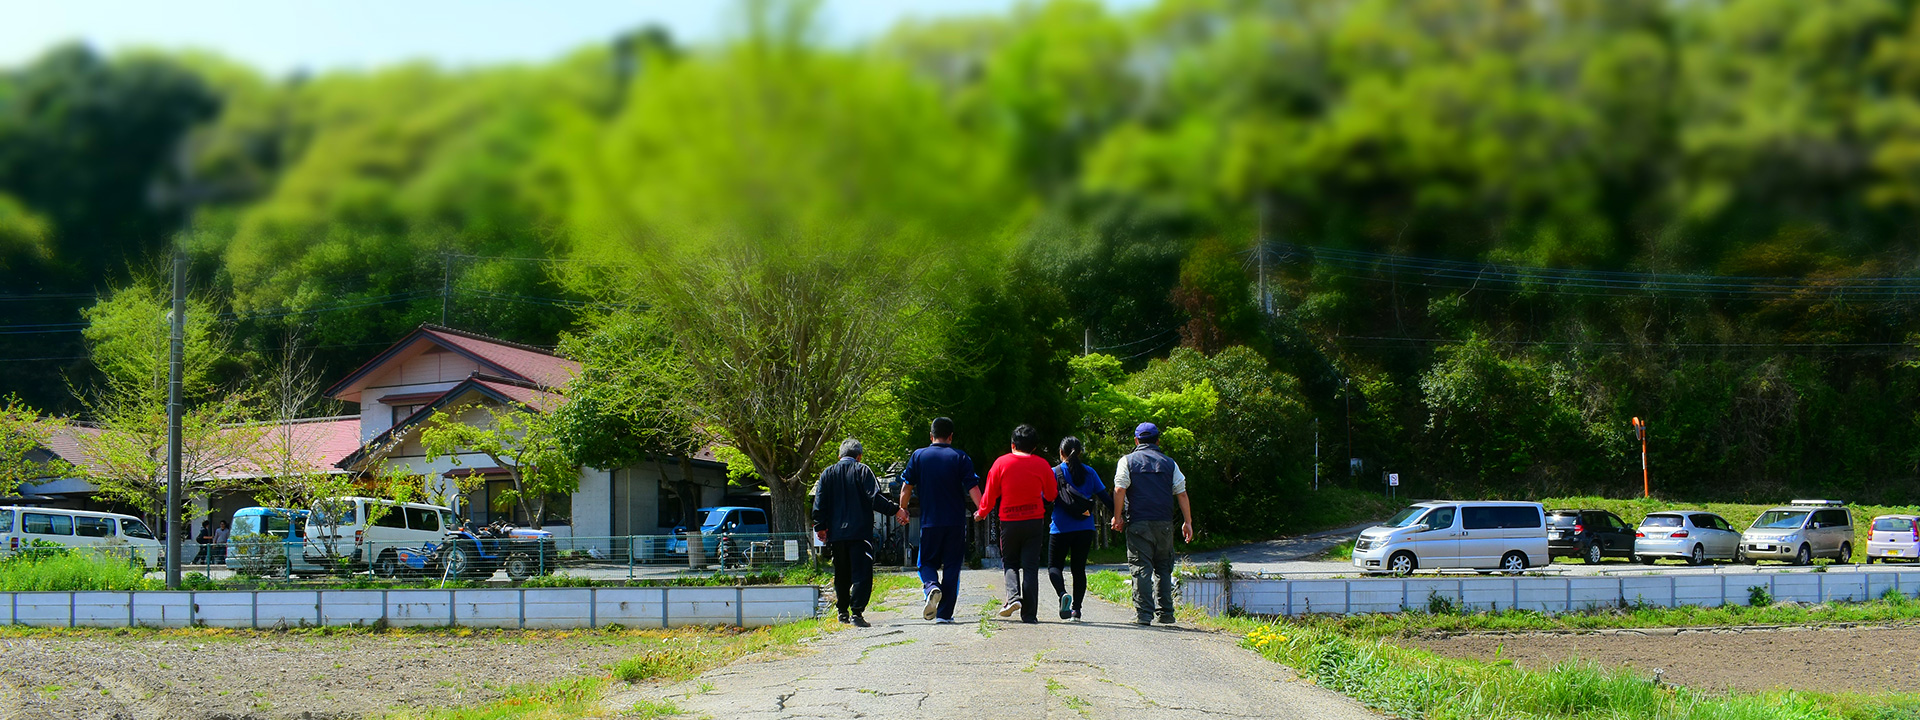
1348	392
1316	454
1260	257
446	286
175	369
1646	484
1086	342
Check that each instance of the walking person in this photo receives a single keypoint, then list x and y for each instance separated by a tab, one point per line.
1019	486
220	537
844	501
1072	524
1147	486
203	543
943	478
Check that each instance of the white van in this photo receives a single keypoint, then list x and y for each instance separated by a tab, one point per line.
337	529
1443	534
21	526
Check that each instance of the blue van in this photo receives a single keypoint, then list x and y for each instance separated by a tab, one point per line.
266	541
722	520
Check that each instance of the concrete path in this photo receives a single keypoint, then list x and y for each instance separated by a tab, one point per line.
1104	667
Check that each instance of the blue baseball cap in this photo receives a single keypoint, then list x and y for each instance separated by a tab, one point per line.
1146	430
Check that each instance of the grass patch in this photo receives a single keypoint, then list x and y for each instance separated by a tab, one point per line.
1075	703
1740	514
1342	552
1409	624
57	570
564	700
1351	655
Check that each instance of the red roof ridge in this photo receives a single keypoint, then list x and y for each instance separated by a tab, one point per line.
486	339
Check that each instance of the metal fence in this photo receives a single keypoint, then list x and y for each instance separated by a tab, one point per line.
1289	597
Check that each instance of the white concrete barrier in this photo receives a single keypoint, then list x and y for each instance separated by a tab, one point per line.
558	608
1263	596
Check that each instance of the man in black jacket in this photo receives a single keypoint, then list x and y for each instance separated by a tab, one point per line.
844	501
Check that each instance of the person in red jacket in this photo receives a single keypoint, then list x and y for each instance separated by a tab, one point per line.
1020	487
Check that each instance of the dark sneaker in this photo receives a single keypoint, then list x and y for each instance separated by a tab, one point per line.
1076	616
1007	610
1166	619
861	621
1143	622
933	604
843	617
1066	606
1030	621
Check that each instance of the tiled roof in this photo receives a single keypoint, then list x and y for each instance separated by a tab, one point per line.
65	442
317	443
520	362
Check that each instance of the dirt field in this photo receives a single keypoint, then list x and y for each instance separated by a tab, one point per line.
1865	660
271	675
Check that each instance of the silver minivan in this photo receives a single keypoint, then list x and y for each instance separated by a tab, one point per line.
1801	531
1444	534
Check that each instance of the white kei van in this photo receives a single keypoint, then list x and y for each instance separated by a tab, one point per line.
1444	534
337	529
21	526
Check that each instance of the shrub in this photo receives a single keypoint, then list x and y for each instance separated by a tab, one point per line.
1758	596
59	570
1438	604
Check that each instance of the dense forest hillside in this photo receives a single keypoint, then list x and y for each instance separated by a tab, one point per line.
1467	240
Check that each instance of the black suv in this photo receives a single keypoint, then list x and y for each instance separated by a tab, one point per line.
1588	534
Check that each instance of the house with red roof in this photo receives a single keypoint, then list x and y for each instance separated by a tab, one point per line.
435	369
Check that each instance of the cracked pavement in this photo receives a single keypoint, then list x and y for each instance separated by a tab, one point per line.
1104	667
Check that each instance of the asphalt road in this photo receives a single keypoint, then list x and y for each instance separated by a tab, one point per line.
1104	667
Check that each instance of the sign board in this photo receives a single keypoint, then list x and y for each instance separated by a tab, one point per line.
1393	479
793	550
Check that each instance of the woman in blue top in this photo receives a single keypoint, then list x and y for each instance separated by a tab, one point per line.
1072	526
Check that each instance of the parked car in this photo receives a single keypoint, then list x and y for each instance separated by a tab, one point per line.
269	541
1695	536
1589	535
1437	535
721	520
401	535
1894	537
1801	531
21	527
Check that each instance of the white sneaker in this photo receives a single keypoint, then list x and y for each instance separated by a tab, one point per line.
1012	606
933	604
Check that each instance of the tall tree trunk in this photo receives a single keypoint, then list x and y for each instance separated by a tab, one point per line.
792	513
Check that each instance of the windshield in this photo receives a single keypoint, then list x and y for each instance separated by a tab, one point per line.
1406	518
1661	521
246	525
1780	520
1892	524
135	528
712	518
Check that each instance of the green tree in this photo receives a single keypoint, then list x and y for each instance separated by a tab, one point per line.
23	438
521	440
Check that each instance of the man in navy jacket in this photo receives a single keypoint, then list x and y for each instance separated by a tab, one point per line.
844	501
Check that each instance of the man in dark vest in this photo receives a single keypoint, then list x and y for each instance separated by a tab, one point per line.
844	501
1147	486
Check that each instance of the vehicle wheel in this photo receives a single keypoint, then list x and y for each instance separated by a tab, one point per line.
1804	556
1646	560
1698	556
1402	563
458	561
1846	553
1593	554
521	567
1869	559
1740	555
387	566
1513	562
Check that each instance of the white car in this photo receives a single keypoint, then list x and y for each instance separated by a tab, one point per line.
400	534
1695	536
1440	535
1894	537
21	527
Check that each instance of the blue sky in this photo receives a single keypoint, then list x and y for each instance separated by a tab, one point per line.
280	36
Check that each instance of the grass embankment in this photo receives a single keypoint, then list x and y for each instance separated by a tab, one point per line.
668	656
1740	515
1349	655
59	570
1328	509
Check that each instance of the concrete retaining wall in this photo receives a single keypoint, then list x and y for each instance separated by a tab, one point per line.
489	608
1546	594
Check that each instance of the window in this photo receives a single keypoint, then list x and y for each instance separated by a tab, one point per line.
277	525
423	519
1780	520
1886	524
402	412
1440	518
1489	517
753	517
1480	517
1661	521
1831	518
392	518
1704	522
1618	524
93	527
134	528
246	525
6	521
44	524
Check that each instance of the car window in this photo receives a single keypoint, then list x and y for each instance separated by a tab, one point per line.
1703	521
1780	520
1837	518
277	525
6	521
1564	519
1479	517
93	527
1406	517
1441	518
393	517
44	524
423	519
754	517
1661	521
1618	524
1720	523
1885	524
1517	516
134	528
